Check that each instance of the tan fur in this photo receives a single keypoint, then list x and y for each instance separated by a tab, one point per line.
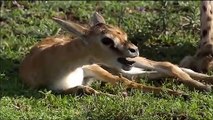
160	69
167	69
62	63
202	61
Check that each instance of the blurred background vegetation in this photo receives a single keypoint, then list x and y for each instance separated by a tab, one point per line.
160	28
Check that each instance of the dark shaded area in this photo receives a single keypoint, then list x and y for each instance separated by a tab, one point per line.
164	52
10	83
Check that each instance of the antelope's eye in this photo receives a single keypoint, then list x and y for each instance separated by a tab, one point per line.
107	41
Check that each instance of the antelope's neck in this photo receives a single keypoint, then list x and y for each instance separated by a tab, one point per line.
79	53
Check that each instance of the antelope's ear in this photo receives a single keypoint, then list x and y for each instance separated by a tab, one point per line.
72	27
96	19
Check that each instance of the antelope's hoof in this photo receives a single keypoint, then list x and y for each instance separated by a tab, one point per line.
186	96
208	88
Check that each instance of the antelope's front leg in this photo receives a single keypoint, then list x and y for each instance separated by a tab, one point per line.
81	89
103	75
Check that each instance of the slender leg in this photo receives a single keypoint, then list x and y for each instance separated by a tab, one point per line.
199	76
156	74
81	89
170	70
103	75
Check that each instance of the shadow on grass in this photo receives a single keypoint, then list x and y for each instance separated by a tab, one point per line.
10	83
166	52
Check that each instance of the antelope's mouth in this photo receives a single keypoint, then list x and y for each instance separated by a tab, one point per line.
126	64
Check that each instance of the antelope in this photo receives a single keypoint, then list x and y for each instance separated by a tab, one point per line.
63	63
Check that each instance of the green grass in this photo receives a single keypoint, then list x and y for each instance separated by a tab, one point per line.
165	31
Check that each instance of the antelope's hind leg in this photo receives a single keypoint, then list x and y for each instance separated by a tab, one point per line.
182	76
199	76
170	69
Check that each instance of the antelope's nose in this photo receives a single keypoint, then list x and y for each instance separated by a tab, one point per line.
133	50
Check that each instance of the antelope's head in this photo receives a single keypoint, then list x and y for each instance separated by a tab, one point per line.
107	44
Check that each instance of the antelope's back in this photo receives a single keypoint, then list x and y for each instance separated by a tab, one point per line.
31	68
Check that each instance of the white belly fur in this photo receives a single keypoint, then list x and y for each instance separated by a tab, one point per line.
137	71
73	79
134	71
